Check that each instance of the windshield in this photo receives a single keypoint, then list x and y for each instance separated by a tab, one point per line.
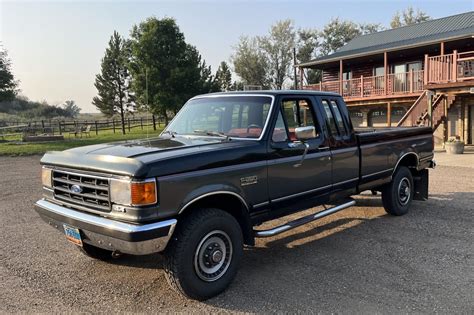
229	116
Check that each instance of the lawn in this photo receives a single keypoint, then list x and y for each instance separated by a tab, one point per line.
23	148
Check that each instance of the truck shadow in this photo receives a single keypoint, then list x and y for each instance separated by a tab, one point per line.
361	251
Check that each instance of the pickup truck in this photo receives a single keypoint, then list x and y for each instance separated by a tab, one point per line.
224	165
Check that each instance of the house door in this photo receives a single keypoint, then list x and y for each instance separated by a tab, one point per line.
399	78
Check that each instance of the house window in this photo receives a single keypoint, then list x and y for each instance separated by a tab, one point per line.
379	71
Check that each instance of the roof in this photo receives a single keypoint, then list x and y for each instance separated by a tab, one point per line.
447	28
272	92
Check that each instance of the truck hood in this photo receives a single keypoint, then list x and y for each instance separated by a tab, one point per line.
130	158
135	148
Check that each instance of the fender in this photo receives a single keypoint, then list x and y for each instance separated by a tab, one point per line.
205	191
403	156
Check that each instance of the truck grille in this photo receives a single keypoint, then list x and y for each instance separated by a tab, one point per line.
88	191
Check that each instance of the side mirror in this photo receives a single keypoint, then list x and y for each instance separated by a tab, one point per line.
305	133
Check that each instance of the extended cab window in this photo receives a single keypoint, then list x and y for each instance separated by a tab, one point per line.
297	113
339	121
329	118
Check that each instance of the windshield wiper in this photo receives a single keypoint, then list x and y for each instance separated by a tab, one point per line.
212	133
170	132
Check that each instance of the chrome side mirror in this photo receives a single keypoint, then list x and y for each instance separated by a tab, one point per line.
305	133
302	134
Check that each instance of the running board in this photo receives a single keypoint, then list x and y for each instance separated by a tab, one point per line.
302	221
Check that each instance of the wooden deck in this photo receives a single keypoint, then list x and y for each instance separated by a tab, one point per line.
443	70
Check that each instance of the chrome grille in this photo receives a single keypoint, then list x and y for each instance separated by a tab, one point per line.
94	191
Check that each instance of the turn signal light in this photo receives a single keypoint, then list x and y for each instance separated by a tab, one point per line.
143	193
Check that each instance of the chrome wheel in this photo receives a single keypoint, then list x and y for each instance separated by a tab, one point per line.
404	191
213	256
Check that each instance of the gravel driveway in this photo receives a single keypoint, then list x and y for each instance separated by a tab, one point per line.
357	261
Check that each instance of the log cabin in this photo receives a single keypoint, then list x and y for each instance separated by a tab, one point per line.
421	74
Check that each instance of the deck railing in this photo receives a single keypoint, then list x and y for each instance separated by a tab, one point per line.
455	67
373	86
448	68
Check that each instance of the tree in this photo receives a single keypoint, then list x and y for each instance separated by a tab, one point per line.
336	34
166	70
307	46
250	63
369	28
224	77
408	17
8	85
71	109
278	47
113	81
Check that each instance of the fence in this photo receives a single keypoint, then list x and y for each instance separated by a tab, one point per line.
51	126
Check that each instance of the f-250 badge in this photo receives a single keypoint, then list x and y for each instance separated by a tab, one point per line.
249	180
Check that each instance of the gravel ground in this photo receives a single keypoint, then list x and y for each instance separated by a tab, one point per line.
357	261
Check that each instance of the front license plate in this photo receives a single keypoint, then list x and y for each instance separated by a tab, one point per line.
72	234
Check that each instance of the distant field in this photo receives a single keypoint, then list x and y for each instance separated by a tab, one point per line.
20	148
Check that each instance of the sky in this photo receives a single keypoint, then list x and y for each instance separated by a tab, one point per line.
56	46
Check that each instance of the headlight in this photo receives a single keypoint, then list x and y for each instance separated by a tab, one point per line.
133	193
46	177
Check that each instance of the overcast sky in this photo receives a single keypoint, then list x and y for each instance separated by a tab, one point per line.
56	46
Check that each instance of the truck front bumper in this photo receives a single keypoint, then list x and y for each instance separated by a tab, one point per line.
135	239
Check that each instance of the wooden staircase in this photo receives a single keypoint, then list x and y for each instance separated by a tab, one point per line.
419	115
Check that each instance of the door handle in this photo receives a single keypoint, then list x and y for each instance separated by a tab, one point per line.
323	148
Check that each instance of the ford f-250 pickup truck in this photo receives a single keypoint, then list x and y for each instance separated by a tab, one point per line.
225	164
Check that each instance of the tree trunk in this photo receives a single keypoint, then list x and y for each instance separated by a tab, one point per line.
122	117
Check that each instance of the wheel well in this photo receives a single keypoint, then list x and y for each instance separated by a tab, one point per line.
230	204
409	160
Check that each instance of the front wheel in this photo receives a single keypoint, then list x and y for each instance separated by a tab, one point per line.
203	256
397	196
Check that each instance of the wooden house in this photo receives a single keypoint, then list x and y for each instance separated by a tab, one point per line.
421	74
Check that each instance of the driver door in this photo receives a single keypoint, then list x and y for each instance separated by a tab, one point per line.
288	182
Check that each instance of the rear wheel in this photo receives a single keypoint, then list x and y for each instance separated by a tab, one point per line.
397	196
96	252
203	256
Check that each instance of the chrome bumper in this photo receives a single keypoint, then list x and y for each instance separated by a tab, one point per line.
135	239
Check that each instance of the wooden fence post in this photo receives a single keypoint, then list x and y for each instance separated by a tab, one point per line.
113	124
427	69
455	66
154	121
128	119
59	126
96	131
141	122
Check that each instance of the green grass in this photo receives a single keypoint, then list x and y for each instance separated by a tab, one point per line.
23	148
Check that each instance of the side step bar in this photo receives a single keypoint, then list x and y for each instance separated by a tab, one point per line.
304	220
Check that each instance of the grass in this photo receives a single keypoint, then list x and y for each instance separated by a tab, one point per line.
24	148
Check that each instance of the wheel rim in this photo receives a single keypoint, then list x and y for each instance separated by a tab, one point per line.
213	256
404	191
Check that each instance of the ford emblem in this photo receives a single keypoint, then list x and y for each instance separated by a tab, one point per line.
76	189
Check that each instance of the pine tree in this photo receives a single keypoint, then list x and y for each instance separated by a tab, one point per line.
113	81
224	77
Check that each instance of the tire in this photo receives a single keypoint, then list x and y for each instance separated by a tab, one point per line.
398	195
96	252
203	257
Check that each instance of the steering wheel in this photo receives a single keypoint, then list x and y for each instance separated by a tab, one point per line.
254	126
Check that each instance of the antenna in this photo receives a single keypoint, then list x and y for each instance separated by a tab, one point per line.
147	105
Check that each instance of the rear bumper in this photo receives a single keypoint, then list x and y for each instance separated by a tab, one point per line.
135	239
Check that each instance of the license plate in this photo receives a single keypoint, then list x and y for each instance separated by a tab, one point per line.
72	234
